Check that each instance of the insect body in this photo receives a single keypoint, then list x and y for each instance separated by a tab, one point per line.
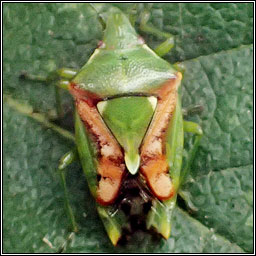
129	130
158	95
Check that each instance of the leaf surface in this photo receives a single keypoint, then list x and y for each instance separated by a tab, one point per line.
215	42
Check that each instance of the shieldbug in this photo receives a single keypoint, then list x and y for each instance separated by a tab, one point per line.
129	129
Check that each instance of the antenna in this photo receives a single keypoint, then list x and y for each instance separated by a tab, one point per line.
100	17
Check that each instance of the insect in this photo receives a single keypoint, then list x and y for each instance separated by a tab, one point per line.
129	129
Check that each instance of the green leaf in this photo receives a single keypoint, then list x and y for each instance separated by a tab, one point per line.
40	37
202	29
223	84
224	201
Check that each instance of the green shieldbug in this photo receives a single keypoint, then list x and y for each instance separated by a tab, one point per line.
129	129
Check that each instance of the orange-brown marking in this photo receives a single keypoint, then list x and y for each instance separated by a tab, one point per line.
111	177
91	98
110	162
154	165
156	172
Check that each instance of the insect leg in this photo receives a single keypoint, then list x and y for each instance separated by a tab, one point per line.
132	13
60	78
62	73
65	161
163	48
192	110
197	130
28	111
192	127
